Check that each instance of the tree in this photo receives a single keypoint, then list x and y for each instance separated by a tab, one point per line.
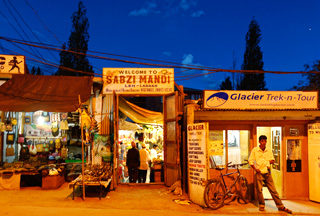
226	84
35	71
252	60
313	79
73	55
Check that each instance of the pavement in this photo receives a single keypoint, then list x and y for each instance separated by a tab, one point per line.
129	199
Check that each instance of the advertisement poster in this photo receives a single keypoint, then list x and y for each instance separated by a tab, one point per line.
216	147
314	161
293	155
102	147
197	161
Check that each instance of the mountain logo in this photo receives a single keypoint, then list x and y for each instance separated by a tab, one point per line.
217	99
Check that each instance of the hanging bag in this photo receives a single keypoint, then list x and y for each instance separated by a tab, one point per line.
9	150
21	139
10	138
14	120
45	146
55	131
64	125
33	149
8	123
51	146
39	146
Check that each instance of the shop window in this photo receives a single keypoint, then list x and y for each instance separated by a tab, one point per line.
276	143
238	146
216	148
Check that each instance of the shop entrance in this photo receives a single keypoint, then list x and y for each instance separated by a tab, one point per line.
140	120
274	142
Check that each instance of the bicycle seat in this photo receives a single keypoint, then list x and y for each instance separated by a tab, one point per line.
219	168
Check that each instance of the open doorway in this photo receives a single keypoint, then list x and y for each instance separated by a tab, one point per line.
274	142
140	120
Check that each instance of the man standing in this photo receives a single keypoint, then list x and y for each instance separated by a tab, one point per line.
133	162
260	160
144	164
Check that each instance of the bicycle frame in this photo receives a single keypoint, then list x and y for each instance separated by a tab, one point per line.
217	193
228	189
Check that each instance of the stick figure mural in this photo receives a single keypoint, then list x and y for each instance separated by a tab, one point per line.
14	64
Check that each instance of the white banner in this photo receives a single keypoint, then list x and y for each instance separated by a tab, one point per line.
314	161
138	80
197	162
260	100
11	64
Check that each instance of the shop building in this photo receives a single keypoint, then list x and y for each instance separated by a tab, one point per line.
289	120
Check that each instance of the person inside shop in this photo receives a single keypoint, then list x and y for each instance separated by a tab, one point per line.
133	162
144	164
153	152
153	155
260	160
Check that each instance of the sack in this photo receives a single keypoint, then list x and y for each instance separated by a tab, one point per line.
10	138
64	125
9	151
97	160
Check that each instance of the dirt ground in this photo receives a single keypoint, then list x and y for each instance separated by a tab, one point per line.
147	200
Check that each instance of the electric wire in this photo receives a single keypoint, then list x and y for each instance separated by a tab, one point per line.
34	50
26	24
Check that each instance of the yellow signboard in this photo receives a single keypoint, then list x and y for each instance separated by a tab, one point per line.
12	64
138	80
197	160
260	100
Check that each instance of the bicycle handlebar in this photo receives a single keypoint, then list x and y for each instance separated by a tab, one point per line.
236	165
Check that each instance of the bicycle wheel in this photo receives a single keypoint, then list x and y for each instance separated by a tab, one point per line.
243	190
214	194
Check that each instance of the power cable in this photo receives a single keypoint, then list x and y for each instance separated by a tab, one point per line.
34	50
26	24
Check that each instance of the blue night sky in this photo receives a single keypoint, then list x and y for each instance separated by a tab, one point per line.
195	32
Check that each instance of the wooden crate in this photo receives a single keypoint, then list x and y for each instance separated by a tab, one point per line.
52	182
157	176
157	166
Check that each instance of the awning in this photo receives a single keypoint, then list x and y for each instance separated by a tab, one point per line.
125	125
48	93
138	114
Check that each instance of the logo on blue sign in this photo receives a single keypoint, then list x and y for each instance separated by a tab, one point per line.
217	99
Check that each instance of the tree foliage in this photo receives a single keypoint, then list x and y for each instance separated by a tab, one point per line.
312	82
73	56
36	71
226	84
252	60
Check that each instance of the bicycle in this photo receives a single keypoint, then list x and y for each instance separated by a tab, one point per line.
217	193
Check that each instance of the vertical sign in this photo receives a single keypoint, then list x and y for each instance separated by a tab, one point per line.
197	162
314	161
